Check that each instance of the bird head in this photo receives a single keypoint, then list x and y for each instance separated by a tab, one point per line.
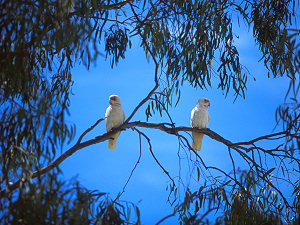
203	102
115	100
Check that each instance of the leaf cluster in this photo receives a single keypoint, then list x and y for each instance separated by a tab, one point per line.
116	41
270	29
248	202
194	40
39	45
191	41
52	201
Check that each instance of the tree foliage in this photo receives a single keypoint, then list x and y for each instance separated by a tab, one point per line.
51	201
191	42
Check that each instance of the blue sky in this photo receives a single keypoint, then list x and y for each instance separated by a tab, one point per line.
99	168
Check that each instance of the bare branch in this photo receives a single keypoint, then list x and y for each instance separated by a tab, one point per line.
205	214
233	164
260	138
155	73
88	130
162	105
166	217
150	148
138	161
160	126
117	5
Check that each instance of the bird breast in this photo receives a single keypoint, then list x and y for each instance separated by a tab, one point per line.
199	118
115	117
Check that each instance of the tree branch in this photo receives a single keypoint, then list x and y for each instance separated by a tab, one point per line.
259	138
160	126
88	130
117	5
135	166
150	148
155	73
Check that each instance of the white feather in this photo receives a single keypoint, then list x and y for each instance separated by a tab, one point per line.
115	117
199	119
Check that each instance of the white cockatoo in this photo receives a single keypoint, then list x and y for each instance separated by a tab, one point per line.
115	116
199	119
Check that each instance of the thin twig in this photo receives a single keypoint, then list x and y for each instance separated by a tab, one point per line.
205	214
260	138
166	217
138	161
105	136
233	165
168	114
155	73
117	5
156	160
88	130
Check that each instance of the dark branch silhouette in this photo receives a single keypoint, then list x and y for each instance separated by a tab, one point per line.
160	126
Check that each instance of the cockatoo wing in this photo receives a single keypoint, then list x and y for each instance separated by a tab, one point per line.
115	117
199	119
